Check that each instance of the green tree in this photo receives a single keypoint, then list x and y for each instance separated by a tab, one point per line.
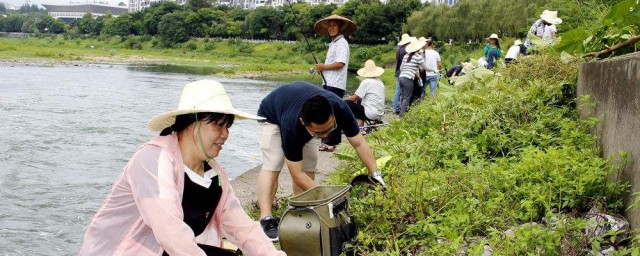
201	22
122	25
198	4
85	24
154	14
97	26
3	9
50	25
265	23
13	23
172	29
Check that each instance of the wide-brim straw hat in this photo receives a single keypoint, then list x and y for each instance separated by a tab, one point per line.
348	26
494	36
405	39
415	45
551	17
198	97
517	42
370	69
467	67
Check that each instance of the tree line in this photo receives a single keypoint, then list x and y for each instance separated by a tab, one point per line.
469	20
475	20
173	23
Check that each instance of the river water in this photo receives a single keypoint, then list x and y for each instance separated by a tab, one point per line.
67	132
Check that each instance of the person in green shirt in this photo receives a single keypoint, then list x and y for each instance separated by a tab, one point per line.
492	51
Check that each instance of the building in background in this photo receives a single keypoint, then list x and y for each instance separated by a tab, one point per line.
9	6
73	12
447	2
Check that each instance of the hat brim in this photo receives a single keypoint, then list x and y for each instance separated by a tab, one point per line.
405	41
164	120
348	26
378	71
418	45
552	20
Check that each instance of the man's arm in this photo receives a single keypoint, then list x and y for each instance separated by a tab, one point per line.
364	152
336	65
299	177
352	98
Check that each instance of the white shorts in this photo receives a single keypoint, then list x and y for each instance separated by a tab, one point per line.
273	156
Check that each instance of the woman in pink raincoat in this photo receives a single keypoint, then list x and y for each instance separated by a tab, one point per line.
172	198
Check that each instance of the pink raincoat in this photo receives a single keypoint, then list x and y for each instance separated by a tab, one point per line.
143	213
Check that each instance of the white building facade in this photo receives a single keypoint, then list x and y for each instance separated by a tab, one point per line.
447	2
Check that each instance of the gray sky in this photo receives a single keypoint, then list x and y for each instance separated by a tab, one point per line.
21	2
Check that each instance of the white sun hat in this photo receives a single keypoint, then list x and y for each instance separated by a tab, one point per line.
415	45
199	96
494	36
370	69
517	42
405	39
551	17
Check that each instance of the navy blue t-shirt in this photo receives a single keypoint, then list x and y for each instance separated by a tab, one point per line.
283	106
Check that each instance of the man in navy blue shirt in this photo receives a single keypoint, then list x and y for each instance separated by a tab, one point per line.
297	115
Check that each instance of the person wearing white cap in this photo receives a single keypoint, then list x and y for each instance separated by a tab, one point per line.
492	51
367	103
400	52
514	52
544	27
173	198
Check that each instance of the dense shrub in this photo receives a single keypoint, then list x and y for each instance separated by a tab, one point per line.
495	155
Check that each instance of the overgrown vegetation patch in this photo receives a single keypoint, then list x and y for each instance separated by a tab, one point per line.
507	154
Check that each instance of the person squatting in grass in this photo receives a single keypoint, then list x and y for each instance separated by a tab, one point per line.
173	198
367	103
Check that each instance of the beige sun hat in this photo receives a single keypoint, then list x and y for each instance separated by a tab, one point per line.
467	67
494	36
405	39
370	69
551	17
517	42
415	45
348	26
199	96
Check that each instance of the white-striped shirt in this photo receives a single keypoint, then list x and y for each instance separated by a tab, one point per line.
409	69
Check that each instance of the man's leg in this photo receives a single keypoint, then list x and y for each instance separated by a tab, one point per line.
273	156
267	188
433	81
396	97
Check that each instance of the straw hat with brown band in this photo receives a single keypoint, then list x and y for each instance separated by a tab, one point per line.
347	28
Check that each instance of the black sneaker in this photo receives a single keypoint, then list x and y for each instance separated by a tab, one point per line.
270	227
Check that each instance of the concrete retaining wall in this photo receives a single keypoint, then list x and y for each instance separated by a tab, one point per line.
614	89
